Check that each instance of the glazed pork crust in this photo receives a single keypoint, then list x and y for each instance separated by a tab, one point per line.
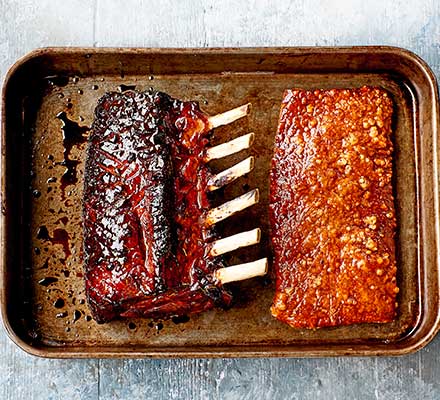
332	209
143	206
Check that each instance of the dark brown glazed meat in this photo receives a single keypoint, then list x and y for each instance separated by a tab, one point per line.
143	206
332	209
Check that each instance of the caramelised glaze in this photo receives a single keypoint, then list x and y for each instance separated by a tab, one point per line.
332	209
144	201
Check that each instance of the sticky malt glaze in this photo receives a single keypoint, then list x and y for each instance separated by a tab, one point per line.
144	202
332	209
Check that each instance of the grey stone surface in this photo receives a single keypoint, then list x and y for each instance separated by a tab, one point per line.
25	25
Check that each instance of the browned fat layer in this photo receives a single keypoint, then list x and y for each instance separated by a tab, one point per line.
332	209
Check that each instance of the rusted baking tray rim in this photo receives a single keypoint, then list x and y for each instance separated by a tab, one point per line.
259	350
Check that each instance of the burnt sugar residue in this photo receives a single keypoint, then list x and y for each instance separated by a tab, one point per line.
58	80
73	135
43	233
63	220
48	280
131	325
59	236
59	303
76	315
180	319
125	88
46	264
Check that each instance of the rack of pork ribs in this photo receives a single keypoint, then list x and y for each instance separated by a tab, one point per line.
150	246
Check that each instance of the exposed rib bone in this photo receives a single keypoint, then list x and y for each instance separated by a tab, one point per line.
229	116
231	207
242	271
231	174
231	147
234	242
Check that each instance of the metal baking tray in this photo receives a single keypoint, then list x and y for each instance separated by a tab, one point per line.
42	290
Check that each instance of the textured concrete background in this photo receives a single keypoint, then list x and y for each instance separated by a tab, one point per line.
27	24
